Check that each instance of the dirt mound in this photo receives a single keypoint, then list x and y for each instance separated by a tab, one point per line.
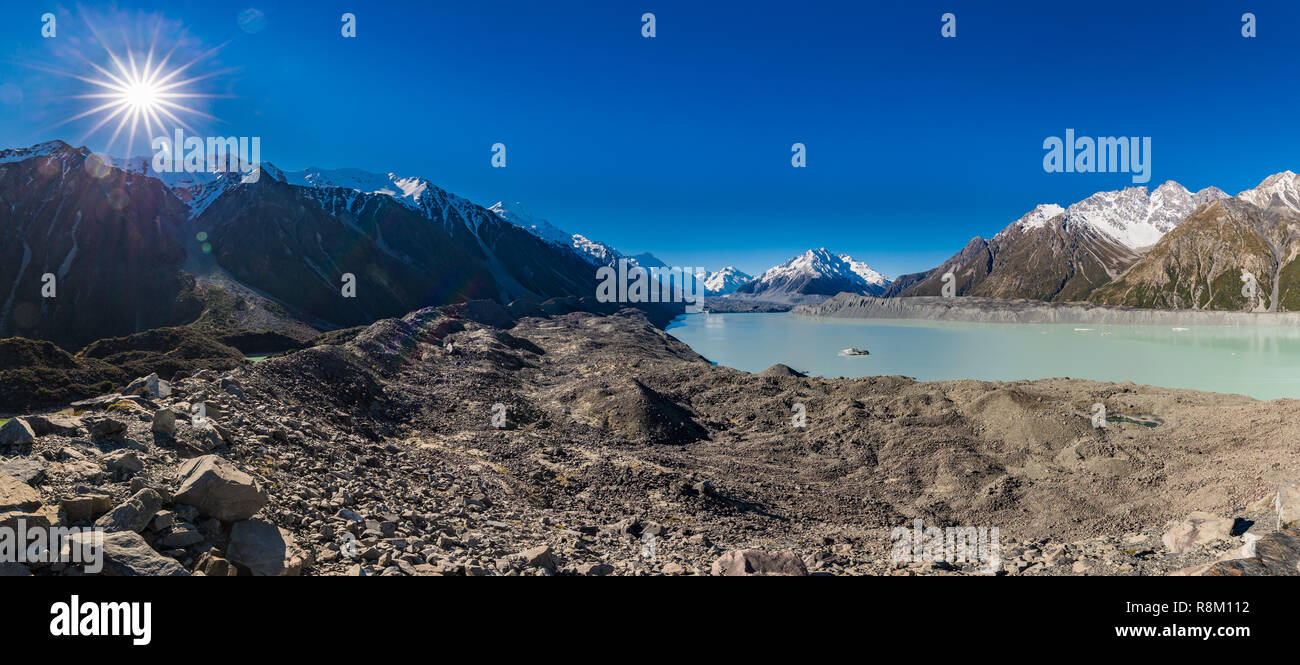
632	410
36	374
167	352
19	353
781	370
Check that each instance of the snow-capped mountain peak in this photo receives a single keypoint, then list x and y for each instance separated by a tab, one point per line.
816	272
812	262
724	281
1281	188
1037	218
1135	217
46	149
864	271
404	189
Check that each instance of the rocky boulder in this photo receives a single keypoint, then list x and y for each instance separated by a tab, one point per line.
537	557
16	432
1277	553
1288	505
27	470
123	461
21	504
17	495
125	554
56	423
744	563
265	549
210	565
102	427
134	514
218	489
86	507
149	386
1200	528
164	422
179	535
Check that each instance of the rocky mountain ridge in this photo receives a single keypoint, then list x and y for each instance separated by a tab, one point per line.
1167	249
286	254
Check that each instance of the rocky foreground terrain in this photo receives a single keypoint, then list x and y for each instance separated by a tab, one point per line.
463	441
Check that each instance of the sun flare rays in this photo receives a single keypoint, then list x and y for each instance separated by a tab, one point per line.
136	91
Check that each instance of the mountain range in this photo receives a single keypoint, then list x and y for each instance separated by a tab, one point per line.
131	250
1166	248
716	283
286	255
269	255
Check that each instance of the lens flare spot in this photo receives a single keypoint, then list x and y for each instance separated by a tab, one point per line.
97	165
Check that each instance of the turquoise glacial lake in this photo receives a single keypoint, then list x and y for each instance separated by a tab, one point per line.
1259	361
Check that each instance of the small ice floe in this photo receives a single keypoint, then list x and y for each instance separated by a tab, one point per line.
1180	329
1082	329
854	351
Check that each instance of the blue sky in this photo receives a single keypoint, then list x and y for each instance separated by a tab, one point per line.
680	145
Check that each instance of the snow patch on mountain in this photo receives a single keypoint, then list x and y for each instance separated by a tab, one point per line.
1036	218
865	271
405	190
1133	217
597	253
39	150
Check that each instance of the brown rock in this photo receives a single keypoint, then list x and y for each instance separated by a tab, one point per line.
125	554
102	427
742	563
1200	528
595	569
265	549
214	566
134	514
16	432
123	460
538	557
1288	505
164	422
86	507
1277	553
219	490
24	469
17	495
56	423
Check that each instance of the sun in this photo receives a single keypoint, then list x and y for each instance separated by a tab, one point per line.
142	96
139	91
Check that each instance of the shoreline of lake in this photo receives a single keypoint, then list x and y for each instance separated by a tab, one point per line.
992	310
